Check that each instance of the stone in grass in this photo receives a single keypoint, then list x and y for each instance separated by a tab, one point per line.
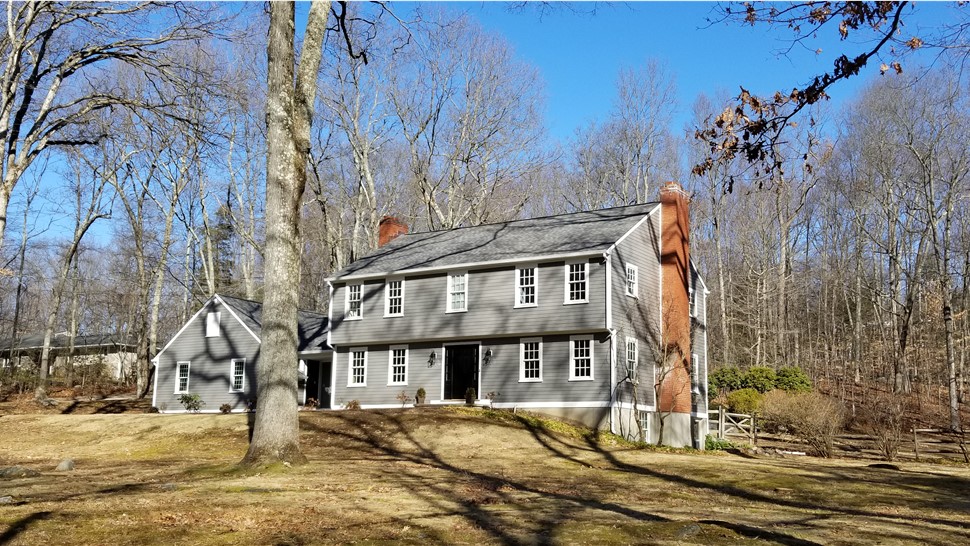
169	487
65	465
689	530
18	472
6	500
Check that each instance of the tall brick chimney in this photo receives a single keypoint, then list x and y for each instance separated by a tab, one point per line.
675	392
389	229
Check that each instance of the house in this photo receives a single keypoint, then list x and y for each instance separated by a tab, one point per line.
596	317
106	355
215	354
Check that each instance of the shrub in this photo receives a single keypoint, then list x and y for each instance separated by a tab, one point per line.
191	402
352	405
153	409
725	379
470	396
812	417
887	426
744	401
491	396
403	398
793	379
226	408
759	378
713	443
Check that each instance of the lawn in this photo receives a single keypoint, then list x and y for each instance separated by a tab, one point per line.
448	476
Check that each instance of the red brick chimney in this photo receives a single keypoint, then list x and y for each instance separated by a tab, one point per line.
675	393
390	228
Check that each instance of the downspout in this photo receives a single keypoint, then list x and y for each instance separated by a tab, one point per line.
333	353
609	327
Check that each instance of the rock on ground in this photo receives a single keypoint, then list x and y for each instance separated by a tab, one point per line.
65	465
18	472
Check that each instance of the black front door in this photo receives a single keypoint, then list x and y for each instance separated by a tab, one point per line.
326	371
461	370
312	380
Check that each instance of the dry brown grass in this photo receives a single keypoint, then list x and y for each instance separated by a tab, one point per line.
445	476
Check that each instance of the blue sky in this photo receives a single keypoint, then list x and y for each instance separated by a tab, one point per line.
579	54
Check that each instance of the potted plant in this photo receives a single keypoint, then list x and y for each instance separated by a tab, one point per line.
419	396
470	396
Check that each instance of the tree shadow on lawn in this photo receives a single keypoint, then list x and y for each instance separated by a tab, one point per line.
21	525
523	512
472	490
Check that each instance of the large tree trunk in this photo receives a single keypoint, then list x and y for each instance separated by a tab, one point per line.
289	110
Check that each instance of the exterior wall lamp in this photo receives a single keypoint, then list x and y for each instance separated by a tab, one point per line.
487	358
432	359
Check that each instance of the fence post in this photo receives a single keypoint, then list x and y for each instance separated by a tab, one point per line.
916	444
720	422
754	431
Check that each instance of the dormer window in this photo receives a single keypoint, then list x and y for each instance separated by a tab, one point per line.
212	322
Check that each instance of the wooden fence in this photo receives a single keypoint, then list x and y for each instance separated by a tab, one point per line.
725	425
934	441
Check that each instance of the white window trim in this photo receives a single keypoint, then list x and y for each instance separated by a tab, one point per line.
535	285
692	303
350	367
360	314
695	383
448	308
631	374
566	300
572	358
387	298
522	342
232	374
636	280
213	329
188	376
390	365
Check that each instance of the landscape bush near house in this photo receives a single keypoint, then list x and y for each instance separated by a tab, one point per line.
744	401
813	418
759	378
225	408
191	402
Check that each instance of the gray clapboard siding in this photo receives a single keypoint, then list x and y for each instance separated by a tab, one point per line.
699	344
491	308
500	375
638	317
210	360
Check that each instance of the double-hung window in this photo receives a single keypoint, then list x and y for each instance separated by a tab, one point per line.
581	358
355	301
632	279
530	360
357	367
182	378
577	281
693	303
457	292
238	378
394	298
632	355
526	285
397	372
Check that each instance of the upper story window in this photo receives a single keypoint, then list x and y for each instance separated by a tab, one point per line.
394	298
632	280
692	304
397	372
182	378
526	285
238	370
355	302
581	358
632	355
457	292
577	280
357	368
212	322
530	360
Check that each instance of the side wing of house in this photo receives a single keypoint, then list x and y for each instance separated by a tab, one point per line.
699	362
214	355
637	322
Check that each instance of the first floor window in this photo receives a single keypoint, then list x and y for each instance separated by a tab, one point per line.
530	367
581	358
358	367
398	365
238	374
182	378
644	425
631	357
631	280
457	292
354	301
695	384
394	298
576	282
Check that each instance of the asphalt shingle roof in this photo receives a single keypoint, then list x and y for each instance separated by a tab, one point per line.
63	341
577	232
311	327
